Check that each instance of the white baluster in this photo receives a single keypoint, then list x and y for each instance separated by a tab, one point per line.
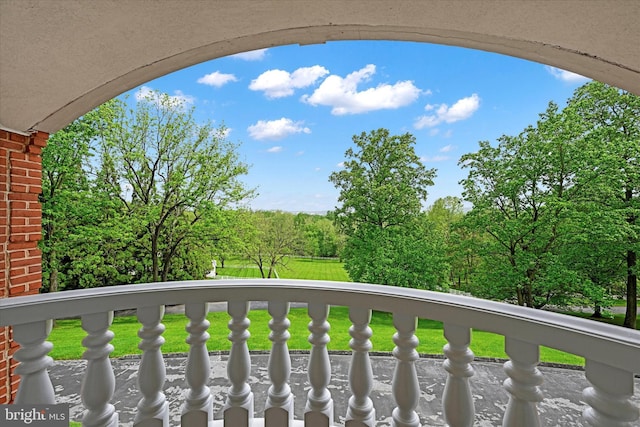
99	382
405	379
279	407
153	408
522	384
609	398
457	401
238	409
361	412
318	411
198	406
35	384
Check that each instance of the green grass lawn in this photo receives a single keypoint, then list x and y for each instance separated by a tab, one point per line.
67	336
294	268
615	319
314	269
622	303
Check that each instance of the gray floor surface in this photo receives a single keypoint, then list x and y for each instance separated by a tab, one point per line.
562	388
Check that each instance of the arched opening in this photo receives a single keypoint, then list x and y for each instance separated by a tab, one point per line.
94	53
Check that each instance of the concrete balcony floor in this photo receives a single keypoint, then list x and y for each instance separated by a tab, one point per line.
562	388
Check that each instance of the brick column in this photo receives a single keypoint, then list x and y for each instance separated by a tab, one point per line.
20	231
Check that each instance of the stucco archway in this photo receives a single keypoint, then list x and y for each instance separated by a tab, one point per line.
61	58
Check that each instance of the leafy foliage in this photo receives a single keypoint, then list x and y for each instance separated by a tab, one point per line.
382	188
559	204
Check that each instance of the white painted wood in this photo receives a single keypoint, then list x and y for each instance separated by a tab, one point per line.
153	409
279	406
609	397
238	409
522	384
457	400
99	382
405	379
318	411
608	344
360	412
35	385
198	406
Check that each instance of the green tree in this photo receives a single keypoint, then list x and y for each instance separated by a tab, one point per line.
170	172
273	238
382	190
521	191
321	237
447	214
610	125
86	241
64	192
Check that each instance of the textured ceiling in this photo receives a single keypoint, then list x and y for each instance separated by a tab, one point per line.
61	58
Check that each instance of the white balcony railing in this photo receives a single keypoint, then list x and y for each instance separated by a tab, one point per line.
612	353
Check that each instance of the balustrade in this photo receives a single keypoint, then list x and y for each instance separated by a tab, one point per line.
609	396
279	407
361	411
153	409
198	406
99	382
612	355
522	384
405	380
238	410
35	386
318	411
457	401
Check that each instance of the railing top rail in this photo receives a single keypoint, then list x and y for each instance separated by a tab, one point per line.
608	344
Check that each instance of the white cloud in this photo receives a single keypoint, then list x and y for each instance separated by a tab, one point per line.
276	129
434	159
565	76
253	55
343	96
340	165
217	79
461	110
178	99
447	148
280	83
299	153
317	169
275	149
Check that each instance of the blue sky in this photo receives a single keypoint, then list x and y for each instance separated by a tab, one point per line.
294	109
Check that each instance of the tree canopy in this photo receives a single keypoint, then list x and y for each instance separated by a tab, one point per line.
383	187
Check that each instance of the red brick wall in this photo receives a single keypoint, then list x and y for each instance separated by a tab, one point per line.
20	230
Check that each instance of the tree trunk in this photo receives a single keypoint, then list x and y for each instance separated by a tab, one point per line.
154	257
632	291
520	296
632	278
597	312
528	289
53	280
